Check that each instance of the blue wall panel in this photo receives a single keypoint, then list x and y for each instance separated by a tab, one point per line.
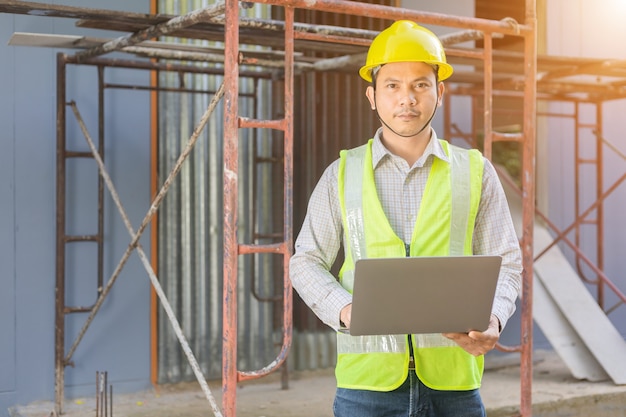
34	219
7	222
118	339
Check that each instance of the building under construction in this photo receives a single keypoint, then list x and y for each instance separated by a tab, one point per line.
158	159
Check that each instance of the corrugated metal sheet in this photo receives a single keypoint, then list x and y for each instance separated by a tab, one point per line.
331	113
190	225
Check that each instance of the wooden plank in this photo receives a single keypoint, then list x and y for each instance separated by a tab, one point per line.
54	40
82	42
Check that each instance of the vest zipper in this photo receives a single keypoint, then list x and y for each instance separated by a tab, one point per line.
407	248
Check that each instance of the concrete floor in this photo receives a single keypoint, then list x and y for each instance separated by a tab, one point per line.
555	394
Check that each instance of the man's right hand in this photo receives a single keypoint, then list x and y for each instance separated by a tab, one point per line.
345	315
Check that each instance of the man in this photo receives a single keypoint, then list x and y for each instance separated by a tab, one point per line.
396	202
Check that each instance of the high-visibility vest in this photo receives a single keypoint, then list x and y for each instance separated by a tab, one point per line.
444	227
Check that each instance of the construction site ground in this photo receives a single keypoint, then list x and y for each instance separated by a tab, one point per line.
555	392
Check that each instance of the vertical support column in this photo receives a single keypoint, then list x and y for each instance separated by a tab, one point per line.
288	184
578	163
488	95
600	210
528	205
230	181
59	329
100	236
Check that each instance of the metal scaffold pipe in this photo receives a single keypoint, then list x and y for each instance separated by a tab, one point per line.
135	245
179	22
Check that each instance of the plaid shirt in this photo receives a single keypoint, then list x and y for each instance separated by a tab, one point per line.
400	190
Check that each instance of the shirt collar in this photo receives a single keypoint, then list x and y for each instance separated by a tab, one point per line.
379	151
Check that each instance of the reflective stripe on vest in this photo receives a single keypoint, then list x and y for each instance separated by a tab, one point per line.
450	190
459	171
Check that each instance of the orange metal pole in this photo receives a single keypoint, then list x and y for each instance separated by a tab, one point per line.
154	230
230	180
528	206
288	182
356	8
285	247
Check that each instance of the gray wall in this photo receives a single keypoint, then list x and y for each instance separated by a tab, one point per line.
118	340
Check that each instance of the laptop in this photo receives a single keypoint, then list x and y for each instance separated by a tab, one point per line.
423	294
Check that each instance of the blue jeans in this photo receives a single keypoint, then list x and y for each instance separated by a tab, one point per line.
412	399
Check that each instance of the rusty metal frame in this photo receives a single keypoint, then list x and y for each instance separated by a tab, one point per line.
232	123
61	358
232	248
581	216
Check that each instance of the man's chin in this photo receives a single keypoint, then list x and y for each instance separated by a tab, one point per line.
408	132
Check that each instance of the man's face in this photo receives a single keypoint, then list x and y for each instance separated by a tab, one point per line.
406	96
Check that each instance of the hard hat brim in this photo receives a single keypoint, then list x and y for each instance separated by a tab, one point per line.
444	72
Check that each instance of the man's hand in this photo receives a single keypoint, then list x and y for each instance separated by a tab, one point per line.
478	343
345	315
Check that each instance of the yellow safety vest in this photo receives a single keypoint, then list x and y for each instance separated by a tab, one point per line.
444	226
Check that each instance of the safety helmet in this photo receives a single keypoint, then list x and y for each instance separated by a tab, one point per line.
406	41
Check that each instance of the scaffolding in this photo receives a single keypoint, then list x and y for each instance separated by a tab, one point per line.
487	73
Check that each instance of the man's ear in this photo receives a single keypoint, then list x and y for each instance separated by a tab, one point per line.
370	93
441	87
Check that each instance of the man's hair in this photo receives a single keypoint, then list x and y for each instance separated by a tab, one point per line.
375	74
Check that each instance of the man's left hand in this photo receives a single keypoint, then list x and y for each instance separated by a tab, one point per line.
475	342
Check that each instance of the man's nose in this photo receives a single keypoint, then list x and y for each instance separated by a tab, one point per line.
409	97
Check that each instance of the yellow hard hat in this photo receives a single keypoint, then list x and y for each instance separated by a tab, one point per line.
406	41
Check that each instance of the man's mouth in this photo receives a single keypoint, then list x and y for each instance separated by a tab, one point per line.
407	115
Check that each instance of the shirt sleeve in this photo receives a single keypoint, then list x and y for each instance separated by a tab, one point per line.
494	234
316	249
